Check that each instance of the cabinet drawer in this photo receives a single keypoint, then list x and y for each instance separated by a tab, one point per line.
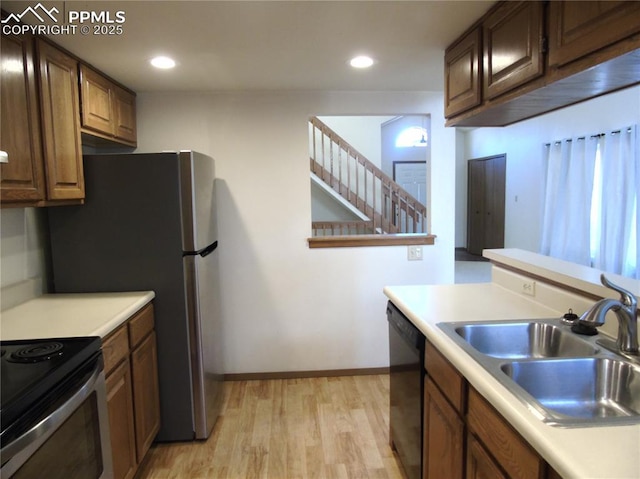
140	325
508	448
446	376
115	348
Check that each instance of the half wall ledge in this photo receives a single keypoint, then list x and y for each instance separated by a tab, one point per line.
350	241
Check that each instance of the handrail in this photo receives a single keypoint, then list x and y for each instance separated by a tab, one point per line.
390	208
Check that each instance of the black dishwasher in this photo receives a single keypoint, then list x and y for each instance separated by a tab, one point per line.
406	365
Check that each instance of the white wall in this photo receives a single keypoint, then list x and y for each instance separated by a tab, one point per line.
326	207
285	306
361	132
523	143
22	255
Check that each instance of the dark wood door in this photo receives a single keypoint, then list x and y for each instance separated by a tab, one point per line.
486	203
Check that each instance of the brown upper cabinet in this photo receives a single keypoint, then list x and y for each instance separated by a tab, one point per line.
540	56
108	110
577	29
59	102
40	124
462	73
22	178
512	40
41	129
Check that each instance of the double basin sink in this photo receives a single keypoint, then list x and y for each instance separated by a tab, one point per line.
566	379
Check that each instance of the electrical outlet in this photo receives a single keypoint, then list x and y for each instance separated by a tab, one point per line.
529	287
414	253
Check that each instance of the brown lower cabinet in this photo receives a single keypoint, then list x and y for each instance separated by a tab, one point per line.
121	421
131	368
465	437
480	464
443	436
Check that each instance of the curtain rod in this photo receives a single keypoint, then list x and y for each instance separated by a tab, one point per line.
599	135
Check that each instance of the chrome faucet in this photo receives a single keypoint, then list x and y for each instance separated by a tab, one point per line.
624	308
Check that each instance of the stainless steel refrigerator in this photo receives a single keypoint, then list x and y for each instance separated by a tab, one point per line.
149	223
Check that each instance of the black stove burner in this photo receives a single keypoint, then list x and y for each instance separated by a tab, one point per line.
36	353
33	371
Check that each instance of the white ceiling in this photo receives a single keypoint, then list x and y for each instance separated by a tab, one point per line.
272	45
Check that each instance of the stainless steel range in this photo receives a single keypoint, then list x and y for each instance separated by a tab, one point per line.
53	409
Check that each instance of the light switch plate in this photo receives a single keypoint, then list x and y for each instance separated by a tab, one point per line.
414	253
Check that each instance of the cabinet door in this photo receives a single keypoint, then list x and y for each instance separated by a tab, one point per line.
514	455
443	441
577	28
97	97
121	423
22	179
512	43
144	367
480	465
124	106
462	74
60	123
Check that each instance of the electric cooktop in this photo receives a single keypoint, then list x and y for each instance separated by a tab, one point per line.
31	369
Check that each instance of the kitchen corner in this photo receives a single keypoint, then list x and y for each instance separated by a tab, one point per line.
578	452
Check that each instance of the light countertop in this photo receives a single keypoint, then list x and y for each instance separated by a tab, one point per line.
71	315
595	452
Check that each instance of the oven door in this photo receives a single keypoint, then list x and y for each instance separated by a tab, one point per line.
70	438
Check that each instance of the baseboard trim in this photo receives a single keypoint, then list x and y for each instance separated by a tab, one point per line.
304	374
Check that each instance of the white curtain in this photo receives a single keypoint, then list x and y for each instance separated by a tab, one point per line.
617	228
566	228
591	213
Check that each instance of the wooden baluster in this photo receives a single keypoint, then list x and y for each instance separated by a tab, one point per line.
348	180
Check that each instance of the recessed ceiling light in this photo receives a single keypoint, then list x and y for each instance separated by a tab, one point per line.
163	62
361	61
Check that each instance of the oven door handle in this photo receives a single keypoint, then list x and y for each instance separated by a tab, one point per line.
28	442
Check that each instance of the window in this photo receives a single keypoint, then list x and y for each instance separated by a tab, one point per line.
591	201
415	136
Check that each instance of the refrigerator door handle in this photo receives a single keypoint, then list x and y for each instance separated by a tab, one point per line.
202	252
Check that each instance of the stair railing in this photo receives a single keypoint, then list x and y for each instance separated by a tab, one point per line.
390	208
341	228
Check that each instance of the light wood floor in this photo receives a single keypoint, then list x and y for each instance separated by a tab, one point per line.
289	428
